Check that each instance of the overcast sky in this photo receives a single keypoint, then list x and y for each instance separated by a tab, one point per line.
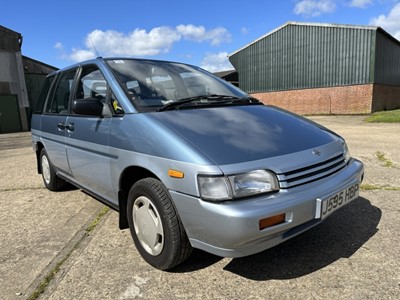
202	32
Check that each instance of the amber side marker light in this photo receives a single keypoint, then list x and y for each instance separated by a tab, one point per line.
175	174
271	221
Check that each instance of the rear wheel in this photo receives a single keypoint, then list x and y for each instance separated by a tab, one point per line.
155	226
50	178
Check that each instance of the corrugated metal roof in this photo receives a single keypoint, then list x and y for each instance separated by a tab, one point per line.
224	73
9	31
230	76
308	24
32	66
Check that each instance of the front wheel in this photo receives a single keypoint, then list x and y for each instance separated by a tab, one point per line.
155	226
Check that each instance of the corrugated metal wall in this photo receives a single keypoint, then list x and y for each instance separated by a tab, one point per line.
387	66
12	76
307	56
10	40
12	82
34	84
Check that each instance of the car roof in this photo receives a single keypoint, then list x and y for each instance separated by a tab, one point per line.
101	59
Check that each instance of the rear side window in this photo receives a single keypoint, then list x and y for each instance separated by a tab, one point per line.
38	106
59	101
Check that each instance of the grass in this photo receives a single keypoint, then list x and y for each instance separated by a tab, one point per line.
374	187
389	116
49	277
96	221
384	160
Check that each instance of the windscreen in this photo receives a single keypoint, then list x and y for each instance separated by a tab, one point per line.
154	84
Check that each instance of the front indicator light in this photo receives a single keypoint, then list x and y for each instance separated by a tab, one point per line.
271	221
175	174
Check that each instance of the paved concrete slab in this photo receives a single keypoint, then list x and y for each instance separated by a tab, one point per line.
36	225
352	255
365	140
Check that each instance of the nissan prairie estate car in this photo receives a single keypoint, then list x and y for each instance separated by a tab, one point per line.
187	159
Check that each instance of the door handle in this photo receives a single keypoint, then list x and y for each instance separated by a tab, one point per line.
70	126
61	126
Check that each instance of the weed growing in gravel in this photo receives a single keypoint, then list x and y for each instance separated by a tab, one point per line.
384	160
93	225
374	187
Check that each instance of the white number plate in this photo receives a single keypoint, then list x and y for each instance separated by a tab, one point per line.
327	206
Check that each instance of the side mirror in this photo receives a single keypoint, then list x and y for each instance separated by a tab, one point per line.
88	107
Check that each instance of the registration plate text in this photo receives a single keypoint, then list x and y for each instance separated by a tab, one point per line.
327	206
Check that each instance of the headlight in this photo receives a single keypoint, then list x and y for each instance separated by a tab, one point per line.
346	152
236	186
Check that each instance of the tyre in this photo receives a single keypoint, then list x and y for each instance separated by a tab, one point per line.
155	226
50	178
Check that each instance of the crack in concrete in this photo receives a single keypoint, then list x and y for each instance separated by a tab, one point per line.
22	189
40	284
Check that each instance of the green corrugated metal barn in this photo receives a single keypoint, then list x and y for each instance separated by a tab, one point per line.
322	68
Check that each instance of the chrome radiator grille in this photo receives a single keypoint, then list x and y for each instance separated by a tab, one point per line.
311	173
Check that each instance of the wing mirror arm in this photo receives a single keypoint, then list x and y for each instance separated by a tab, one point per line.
106	112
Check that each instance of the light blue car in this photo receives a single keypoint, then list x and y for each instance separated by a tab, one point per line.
188	159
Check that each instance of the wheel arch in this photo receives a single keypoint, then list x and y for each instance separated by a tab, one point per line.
127	179
39	147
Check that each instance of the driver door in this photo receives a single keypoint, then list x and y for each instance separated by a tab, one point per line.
87	137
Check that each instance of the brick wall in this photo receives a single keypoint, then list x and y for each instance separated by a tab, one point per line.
355	99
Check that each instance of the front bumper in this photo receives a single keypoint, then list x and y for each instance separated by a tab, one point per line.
231	228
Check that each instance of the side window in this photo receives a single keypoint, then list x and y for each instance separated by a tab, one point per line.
38	105
58	103
91	84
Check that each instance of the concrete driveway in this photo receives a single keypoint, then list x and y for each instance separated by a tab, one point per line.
48	245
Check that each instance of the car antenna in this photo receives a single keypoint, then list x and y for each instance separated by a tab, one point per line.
95	49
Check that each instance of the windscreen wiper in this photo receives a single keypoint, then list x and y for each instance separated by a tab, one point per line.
207	100
246	100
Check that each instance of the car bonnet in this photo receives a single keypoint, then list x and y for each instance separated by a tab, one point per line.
237	134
